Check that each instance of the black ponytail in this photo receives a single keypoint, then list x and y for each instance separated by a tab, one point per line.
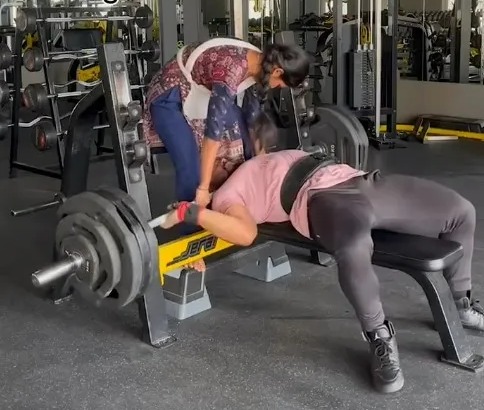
291	59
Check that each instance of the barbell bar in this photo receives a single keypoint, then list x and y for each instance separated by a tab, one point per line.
33	58
26	20
45	135
36	98
5	126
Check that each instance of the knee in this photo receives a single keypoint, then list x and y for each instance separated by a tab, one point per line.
466	211
355	253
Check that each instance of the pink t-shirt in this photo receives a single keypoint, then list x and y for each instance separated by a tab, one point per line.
256	184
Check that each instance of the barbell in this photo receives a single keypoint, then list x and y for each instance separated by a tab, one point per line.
4	125
104	248
26	19
36	98
45	135
33	58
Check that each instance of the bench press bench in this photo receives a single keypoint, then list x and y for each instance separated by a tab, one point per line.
420	257
423	259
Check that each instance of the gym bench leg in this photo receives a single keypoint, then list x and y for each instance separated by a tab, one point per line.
457	349
152	312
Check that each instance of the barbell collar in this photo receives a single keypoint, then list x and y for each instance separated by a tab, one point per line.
57	270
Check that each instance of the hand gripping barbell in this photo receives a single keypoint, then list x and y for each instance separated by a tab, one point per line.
33	58
26	19
35	96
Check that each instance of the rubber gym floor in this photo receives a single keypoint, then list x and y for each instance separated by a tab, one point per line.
290	344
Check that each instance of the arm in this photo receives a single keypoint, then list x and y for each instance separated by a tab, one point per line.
236	225
208	155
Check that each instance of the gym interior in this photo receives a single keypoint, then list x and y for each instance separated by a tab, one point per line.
393	85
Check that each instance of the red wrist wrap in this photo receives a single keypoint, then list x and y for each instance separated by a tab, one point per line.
182	209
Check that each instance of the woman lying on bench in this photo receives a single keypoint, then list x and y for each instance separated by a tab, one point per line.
338	207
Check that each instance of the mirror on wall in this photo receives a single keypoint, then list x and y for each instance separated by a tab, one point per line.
441	40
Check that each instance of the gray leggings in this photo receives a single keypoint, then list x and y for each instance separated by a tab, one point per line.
341	219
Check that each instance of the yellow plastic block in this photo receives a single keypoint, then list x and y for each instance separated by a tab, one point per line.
180	252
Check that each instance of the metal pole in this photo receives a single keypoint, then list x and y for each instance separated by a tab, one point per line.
370	31
358	19
56	271
378	47
338	97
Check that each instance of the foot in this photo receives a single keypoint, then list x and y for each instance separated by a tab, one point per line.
198	265
385	362
471	313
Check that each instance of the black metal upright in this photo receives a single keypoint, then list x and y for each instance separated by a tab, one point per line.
337	56
130	154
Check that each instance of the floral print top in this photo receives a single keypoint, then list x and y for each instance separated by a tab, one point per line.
221	70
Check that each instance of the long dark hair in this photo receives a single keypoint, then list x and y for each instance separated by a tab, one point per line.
293	61
265	131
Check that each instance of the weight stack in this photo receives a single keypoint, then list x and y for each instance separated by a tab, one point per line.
362	79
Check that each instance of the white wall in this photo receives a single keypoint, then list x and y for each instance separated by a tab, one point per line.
426	97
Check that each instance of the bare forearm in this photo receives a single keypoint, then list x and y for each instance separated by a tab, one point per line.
227	227
208	155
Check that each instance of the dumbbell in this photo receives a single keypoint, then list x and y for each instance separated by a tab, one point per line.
33	58
26	20
6	57
35	96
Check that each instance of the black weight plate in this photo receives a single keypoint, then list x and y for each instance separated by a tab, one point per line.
144	17
360	131
150	262
106	213
5	56
26	21
150	50
33	59
35	97
3	128
339	135
79	244
108	274
4	92
44	135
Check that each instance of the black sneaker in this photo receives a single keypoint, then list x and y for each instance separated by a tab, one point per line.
471	313
385	362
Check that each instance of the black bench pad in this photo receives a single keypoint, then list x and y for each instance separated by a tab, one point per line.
392	250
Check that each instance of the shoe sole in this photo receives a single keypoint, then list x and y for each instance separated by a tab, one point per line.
392	387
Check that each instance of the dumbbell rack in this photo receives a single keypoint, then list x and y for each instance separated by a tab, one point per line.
41	28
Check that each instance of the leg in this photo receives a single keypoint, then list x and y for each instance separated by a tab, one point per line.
341	221
422	207
178	138
179	141
418	206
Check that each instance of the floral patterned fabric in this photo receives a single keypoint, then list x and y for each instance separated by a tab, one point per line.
220	69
